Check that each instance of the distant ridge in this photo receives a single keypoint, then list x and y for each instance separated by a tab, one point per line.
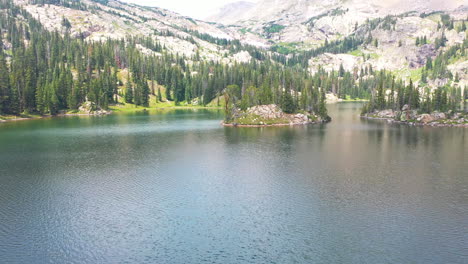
231	12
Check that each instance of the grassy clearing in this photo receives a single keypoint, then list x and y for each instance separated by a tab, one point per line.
357	53
154	104
286	47
406	74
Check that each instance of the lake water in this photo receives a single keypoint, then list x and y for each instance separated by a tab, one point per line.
176	187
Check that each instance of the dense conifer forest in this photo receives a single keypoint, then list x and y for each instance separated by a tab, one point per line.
46	72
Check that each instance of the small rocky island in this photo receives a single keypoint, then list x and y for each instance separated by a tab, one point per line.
412	117
271	115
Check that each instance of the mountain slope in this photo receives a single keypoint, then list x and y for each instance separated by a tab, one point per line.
299	11
343	51
231	12
314	21
50	65
300	25
286	27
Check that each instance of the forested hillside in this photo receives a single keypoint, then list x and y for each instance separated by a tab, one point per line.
113	54
46	72
391	94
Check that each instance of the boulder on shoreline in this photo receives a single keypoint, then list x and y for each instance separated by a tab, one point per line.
407	116
90	108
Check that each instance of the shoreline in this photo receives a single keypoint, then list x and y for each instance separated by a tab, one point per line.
271	125
421	124
18	119
112	110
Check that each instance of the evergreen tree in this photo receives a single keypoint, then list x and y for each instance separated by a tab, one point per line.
159	95
381	93
322	109
429	63
5	91
287	103
129	92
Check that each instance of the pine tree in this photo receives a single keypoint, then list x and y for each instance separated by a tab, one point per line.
341	70
74	96
381	93
5	91
159	94
128	92
429	63
424	76
457	78
322	109
145	91
287	103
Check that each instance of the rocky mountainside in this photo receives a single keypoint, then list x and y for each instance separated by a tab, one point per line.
295	25
314	21
299	11
385	31
230	13
99	20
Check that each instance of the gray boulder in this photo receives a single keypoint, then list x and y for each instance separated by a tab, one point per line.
425	118
386	114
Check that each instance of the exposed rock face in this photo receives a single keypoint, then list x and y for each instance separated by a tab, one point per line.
231	12
425	118
271	111
419	58
274	112
91	108
332	98
407	115
320	19
300	119
386	114
438	116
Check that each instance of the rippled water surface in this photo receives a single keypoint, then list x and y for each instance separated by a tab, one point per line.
176	187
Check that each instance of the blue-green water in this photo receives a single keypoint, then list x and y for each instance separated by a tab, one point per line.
176	187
